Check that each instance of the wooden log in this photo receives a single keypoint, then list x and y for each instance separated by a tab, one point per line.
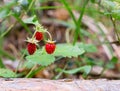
23	84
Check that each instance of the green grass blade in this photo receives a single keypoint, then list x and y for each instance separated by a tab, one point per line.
6	54
78	25
69	10
35	71
23	24
2	64
7	31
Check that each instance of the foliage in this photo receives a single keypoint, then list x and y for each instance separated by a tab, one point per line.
111	63
64	50
29	13
86	69
112	8
7	73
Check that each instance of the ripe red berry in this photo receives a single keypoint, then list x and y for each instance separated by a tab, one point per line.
39	36
50	48
31	47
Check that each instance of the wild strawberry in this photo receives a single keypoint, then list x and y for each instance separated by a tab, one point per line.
39	36
50	47
31	47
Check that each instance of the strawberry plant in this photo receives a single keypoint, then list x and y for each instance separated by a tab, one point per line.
47	54
67	45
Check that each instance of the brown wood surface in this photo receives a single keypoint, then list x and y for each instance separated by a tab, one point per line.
58	85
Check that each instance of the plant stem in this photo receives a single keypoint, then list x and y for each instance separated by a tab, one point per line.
33	35
11	26
115	28
69	10
1	63
35	71
27	76
67	35
78	25
26	28
58	76
49	35
30	6
23	24
20	61
101	74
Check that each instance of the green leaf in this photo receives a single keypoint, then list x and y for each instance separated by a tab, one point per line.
118	1
111	63
116	11
64	50
7	73
4	13
68	50
42	59
85	33
90	48
92	61
29	64
109	4
87	47
85	69
23	2
17	10
31	20
113	8
114	60
93	1
1	64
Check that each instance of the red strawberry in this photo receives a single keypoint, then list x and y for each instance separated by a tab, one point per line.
31	47
50	48
39	36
